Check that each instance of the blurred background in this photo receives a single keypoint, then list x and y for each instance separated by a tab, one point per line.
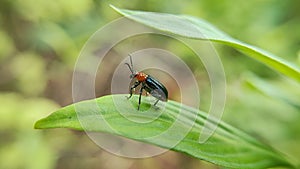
41	40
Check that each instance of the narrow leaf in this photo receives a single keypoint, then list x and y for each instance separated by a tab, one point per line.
228	146
196	28
287	95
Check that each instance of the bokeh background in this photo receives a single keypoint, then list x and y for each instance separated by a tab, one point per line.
39	45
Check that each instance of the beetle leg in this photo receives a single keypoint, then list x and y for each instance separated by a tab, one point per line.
156	107
132	88
141	91
156	102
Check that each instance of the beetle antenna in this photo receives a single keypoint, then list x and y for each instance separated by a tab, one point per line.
131	61
131	64
129	67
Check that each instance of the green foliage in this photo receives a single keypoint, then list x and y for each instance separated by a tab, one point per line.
39	44
231	147
196	28
287	94
228	146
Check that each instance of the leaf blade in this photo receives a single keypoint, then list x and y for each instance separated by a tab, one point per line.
196	28
227	147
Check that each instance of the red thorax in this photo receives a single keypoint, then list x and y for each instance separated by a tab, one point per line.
140	76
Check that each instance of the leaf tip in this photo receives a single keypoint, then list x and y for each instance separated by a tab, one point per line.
38	124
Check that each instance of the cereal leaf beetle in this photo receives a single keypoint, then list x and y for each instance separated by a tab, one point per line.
151	85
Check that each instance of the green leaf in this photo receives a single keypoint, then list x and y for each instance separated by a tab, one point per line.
287	93
227	147
196	28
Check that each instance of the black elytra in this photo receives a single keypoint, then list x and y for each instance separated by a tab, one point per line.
149	83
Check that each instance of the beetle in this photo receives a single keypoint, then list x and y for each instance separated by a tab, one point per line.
148	83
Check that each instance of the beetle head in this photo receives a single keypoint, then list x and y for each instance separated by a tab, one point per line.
133	75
